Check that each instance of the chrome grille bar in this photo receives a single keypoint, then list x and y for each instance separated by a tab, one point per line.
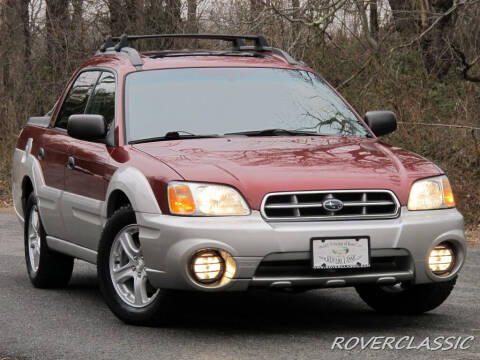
293	206
368	203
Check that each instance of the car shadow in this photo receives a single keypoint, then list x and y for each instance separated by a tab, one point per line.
272	311
265	311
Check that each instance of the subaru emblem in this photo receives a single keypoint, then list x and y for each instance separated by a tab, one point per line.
333	205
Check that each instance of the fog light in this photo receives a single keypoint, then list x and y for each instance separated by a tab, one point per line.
207	266
213	267
441	259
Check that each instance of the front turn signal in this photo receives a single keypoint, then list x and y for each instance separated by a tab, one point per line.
448	193
180	200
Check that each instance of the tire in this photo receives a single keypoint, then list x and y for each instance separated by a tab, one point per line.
147	307
406	299
46	268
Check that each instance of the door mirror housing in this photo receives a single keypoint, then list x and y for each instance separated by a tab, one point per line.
381	122
87	127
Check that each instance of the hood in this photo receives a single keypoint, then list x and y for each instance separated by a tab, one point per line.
259	165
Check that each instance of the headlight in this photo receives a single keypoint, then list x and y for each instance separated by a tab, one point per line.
432	193
205	200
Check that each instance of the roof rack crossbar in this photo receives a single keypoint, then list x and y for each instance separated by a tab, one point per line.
236	40
120	43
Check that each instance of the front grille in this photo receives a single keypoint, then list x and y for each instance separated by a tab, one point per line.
309	205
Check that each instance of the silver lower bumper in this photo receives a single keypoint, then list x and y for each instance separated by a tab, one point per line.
169	242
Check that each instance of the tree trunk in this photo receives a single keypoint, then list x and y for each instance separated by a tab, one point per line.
8	38
27	47
255	8
411	20
422	7
140	10
296	15
16	39
436	44
115	9
131	16
77	27
57	23
192	26
153	17
172	15
403	13
171	20
374	20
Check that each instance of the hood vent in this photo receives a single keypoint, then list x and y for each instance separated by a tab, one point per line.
330	205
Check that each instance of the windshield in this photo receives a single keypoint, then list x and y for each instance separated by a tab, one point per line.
203	101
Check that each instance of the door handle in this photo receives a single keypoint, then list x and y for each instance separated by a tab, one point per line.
70	163
41	154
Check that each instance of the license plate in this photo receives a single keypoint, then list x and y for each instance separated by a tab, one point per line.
341	253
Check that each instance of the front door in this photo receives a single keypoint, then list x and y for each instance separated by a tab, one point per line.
87	176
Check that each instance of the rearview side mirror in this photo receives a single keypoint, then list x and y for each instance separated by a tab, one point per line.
381	122
87	127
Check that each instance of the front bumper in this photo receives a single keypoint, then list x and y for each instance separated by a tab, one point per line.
168	242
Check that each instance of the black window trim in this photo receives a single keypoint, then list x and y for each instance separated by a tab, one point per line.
101	70
93	91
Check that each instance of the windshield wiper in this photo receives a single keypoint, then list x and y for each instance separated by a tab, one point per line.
275	132
174	135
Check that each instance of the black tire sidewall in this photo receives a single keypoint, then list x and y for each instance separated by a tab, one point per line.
414	300
30	203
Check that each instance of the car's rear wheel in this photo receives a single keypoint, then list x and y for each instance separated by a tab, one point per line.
123	278
404	298
46	268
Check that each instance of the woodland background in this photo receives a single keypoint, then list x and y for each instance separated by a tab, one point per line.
419	58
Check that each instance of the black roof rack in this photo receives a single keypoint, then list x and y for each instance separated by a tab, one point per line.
120	44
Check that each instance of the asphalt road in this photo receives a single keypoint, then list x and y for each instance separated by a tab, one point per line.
74	323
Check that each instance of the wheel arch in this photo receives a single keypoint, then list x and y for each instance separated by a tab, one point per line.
129	185
116	200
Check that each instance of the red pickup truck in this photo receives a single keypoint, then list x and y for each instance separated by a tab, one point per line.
224	170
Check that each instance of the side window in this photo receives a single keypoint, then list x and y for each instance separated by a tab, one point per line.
102	101
77	97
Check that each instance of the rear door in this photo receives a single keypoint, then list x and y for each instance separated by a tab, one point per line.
87	180
55	145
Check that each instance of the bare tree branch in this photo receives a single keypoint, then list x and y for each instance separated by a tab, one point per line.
336	6
467	66
432	26
354	75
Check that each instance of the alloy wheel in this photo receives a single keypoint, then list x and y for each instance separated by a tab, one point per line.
34	239
127	269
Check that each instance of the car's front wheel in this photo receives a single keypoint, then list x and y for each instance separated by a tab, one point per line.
404	298
122	275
